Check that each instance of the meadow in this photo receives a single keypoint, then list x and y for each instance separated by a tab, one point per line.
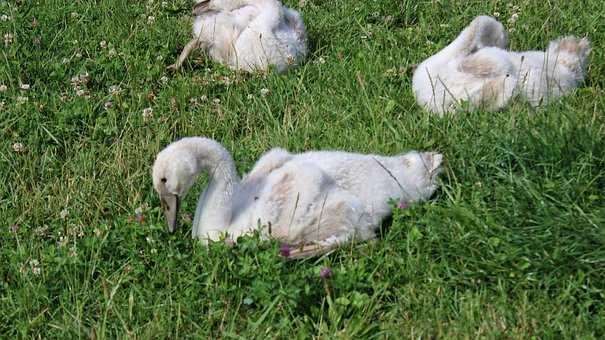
511	246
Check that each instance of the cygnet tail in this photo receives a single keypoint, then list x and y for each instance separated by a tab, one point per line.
570	52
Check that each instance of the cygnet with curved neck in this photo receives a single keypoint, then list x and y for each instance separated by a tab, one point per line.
321	197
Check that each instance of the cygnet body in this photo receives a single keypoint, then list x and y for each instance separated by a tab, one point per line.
321	197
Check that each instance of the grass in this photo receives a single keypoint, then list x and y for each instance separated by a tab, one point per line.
512	245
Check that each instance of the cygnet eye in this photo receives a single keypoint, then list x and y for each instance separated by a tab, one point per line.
163	180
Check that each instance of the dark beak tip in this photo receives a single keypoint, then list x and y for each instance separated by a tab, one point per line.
170	205
172	228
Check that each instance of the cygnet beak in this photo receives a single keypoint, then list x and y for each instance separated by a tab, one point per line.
170	205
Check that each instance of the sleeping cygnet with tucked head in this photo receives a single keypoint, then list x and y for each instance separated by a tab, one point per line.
248	35
319	199
476	68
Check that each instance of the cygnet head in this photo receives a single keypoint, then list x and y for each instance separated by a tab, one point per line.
421	171
174	172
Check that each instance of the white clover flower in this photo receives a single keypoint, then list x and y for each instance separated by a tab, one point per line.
114	90
164	80
108	105
264	92
63	241
84	78
147	114
41	231
22	99
18	147
35	267
150	19
8	38
24	87
74	14
250	96
496	14
3	88
4	17
64	214
103	44
513	18
216	101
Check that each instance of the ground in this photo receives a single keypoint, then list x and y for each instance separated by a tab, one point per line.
512	245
